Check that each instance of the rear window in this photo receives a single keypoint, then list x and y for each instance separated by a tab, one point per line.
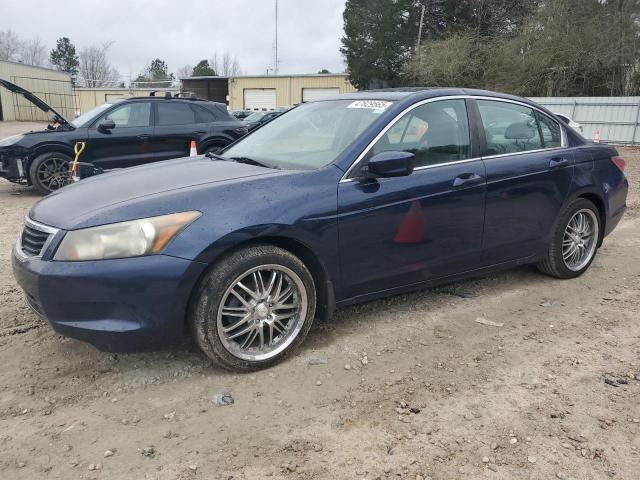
203	115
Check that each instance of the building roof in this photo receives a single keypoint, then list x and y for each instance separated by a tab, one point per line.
216	77
294	75
9	62
205	77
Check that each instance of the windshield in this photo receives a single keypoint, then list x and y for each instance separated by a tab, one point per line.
310	136
85	118
254	117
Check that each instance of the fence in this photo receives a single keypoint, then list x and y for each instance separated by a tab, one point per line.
617	118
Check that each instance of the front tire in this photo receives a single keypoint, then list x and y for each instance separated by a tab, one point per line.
50	172
253	308
575	241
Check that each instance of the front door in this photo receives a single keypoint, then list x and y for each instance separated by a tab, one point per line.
529	173
127	144
407	230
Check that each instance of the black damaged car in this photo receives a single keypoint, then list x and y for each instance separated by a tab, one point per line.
118	134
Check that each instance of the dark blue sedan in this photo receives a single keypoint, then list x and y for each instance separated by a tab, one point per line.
335	202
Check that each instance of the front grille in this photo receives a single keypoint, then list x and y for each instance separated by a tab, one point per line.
33	240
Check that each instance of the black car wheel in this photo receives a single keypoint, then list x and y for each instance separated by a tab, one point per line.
50	172
575	241
253	308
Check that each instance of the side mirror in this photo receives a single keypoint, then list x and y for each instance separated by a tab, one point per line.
107	124
391	164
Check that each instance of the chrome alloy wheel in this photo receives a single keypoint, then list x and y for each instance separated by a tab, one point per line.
54	173
262	312
580	239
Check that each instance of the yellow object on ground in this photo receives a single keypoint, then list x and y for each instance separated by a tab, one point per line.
78	148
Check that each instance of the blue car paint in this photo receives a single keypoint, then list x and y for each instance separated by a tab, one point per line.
358	238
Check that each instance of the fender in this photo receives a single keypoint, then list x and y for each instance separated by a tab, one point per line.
293	240
51	147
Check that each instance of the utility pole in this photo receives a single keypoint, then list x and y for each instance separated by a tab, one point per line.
419	30
275	59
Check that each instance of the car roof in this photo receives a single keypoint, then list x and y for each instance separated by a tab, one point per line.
413	94
199	101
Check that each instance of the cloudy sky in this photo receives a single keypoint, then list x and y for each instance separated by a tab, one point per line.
187	31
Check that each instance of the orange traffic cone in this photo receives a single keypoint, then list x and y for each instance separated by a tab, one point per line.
412	228
193	151
596	138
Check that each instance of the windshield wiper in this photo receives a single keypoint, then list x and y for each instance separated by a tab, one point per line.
215	156
247	160
251	161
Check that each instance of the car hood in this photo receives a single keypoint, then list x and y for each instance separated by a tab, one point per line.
95	201
12	87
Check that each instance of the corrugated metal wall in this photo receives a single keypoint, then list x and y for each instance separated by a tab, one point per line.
617	118
288	88
50	85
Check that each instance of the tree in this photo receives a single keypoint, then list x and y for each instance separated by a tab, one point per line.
226	65
377	41
184	72
9	45
95	69
202	69
156	75
33	52
559	48
456	61
64	56
324	71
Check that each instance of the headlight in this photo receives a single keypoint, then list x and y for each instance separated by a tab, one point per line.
5	142
146	236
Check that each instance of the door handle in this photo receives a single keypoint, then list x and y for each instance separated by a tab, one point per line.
467	179
144	137
556	162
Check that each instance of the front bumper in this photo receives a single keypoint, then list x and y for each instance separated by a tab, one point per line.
12	167
123	305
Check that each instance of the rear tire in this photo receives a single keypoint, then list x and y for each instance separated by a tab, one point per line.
253	308
575	241
50	172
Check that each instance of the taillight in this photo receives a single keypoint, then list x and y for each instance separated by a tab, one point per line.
620	163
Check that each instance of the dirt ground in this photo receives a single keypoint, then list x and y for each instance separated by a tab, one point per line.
411	387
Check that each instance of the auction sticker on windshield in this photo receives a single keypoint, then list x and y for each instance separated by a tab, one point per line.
378	105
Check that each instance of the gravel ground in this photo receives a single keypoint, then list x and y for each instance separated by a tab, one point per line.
410	387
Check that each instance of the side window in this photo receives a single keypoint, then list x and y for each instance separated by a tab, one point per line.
436	132
135	114
551	135
509	128
175	113
203	115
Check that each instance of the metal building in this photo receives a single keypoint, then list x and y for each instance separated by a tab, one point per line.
267	92
52	86
211	88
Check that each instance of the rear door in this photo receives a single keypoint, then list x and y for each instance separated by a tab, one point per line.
127	144
176	126
529	173
407	230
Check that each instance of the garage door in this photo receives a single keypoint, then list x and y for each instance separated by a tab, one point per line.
311	94
259	98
